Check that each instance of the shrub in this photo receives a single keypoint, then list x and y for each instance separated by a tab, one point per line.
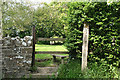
104	38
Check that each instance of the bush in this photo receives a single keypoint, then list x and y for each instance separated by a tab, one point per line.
104	38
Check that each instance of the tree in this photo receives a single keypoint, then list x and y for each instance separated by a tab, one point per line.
16	17
48	21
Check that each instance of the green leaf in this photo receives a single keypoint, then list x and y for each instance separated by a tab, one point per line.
99	23
104	19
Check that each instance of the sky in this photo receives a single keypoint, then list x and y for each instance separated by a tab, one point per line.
32	1
35	2
39	1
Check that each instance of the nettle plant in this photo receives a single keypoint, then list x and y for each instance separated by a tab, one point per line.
104	36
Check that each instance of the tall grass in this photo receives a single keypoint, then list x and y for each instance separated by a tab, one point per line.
94	70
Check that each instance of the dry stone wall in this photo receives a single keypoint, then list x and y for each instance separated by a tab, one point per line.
0	39
17	56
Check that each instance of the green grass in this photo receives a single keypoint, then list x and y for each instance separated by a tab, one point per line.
73	70
42	56
39	47
44	64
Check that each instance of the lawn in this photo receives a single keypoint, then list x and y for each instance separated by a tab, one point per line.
39	47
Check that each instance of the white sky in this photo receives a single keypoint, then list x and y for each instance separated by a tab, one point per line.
35	2
39	1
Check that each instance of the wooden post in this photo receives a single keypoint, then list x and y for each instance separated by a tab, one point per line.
85	46
62	60
54	58
33	53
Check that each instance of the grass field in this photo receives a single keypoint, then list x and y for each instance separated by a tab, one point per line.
39	47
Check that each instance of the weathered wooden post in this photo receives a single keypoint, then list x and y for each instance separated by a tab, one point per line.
33	53
85	46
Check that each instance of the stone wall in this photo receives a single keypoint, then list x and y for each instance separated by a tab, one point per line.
17	56
0	39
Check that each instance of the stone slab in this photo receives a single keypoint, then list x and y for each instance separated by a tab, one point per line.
26	49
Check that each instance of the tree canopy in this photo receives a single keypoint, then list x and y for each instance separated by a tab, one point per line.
16	17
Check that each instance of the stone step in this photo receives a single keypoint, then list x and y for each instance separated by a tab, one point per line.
40	75
45	70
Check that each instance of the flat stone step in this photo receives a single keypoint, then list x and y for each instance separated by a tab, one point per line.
39	75
46	70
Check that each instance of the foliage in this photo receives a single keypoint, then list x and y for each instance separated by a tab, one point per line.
16	17
19	17
48	22
62	9
104	39
73	70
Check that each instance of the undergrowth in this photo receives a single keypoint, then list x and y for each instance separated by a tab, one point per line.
94	70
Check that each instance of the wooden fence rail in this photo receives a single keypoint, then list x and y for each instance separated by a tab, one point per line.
44	52
51	39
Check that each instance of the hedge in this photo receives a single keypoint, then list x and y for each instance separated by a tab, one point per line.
104	38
